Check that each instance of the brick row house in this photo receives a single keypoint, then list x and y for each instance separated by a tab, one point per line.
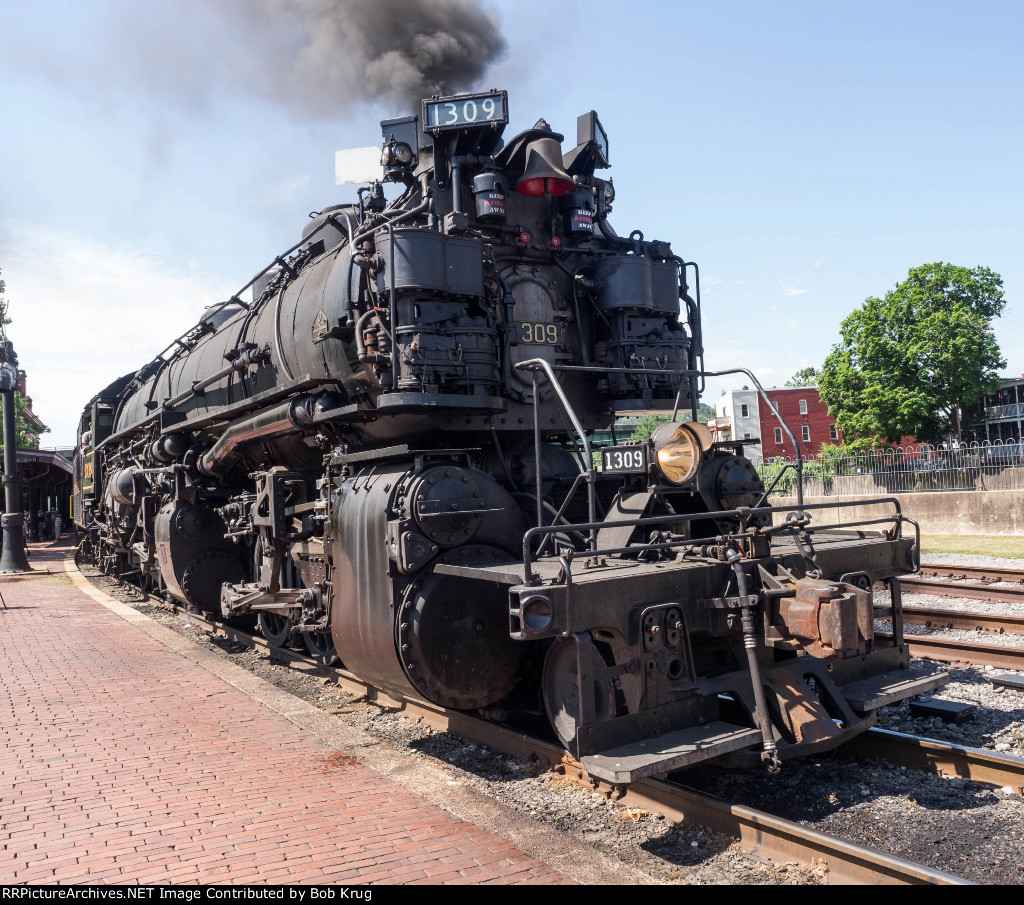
745	415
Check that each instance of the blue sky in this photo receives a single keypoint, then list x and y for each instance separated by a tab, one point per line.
806	155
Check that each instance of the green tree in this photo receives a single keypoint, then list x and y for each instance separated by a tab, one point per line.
805	377
909	363
28	425
647	426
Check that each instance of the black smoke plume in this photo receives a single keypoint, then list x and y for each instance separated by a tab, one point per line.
325	55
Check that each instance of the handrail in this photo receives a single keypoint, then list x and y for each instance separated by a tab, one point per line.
741	513
549	370
539	364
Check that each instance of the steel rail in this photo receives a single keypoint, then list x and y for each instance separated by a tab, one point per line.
961	589
774	837
758	832
943	758
980	573
937	619
973	652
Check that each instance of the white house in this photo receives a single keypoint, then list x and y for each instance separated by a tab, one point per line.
737	418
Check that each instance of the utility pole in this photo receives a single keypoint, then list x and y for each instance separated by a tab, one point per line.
13	558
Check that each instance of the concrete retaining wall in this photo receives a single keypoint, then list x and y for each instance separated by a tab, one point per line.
998	512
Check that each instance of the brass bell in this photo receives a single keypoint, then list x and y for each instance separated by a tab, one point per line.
543	174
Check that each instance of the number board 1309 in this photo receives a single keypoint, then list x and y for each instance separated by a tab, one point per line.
624	459
464	110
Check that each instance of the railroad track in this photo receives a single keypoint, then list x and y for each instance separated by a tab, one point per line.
943	758
987	592
974	651
976	573
758	832
948	650
938	619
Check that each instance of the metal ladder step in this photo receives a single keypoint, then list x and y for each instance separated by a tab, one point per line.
668	752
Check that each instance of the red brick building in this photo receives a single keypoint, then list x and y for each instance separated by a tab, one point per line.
807	416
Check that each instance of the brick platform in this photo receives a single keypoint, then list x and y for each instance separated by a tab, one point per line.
123	762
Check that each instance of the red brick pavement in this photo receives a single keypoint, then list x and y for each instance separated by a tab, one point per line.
121	762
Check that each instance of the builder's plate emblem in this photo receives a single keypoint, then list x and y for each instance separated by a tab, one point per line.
319	327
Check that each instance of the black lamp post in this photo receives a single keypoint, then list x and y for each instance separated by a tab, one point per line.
13	558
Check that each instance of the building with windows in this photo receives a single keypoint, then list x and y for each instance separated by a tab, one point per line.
1002	412
745	415
737	417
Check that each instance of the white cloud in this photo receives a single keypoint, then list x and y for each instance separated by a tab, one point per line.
84	313
792	290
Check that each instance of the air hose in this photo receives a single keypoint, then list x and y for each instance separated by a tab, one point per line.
769	753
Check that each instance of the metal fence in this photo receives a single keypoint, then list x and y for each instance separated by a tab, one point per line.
914	469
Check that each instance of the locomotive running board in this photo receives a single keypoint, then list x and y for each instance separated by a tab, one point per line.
668	752
870	694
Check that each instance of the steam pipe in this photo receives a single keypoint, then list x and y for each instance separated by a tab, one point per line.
400	218
361	352
273	422
574	276
457	185
247	360
609	233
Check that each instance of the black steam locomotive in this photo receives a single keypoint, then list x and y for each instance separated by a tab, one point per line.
384	452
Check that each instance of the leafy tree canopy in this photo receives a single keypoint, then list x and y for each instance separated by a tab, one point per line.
651	423
909	363
805	377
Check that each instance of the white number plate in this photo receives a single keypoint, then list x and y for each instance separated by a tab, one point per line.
464	110
624	459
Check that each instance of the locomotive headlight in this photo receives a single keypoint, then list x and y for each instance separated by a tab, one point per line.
677	452
396	154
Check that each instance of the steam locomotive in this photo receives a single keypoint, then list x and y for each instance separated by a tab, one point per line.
384	452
